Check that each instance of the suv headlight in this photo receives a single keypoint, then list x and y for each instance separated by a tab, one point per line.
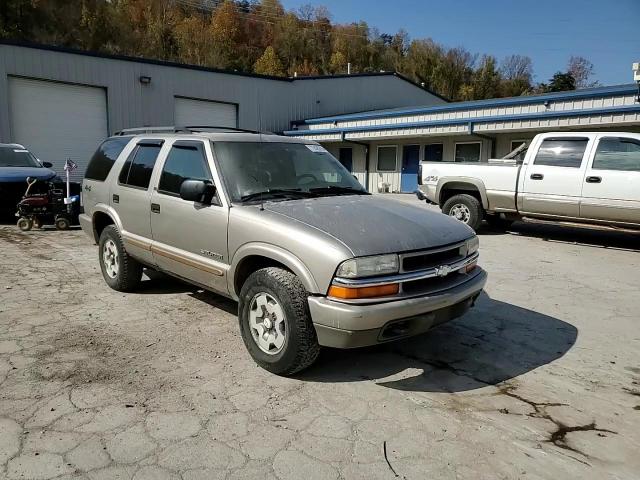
369	266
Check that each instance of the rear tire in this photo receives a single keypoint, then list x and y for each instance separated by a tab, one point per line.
120	271
275	322
465	208
62	223
25	224
497	222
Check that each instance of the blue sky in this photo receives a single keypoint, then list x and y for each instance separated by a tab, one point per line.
548	31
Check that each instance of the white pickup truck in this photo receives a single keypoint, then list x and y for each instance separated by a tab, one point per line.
573	177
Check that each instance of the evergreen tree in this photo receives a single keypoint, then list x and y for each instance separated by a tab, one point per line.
269	64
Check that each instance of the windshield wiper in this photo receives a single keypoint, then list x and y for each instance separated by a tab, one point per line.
277	192
339	189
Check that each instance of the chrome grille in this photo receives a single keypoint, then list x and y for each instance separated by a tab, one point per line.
411	262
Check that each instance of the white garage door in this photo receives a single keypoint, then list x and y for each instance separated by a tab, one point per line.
57	121
202	112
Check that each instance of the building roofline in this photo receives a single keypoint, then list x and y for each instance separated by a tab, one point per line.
494	102
467	121
164	63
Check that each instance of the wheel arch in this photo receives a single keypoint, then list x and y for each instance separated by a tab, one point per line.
448	187
102	216
254	256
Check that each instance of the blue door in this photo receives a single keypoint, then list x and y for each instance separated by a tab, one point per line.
410	161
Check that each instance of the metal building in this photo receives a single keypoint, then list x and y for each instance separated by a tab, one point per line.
384	147
62	103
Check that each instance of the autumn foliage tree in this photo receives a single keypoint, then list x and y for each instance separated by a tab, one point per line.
261	36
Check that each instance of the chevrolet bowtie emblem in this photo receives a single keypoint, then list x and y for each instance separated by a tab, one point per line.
443	270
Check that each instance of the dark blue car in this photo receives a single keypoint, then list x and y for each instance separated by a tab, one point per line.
16	164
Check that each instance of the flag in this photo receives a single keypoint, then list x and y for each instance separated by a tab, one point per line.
70	165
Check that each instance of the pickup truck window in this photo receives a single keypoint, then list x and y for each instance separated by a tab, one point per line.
561	152
616	153
184	162
136	171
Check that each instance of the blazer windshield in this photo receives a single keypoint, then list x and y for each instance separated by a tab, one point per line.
285	169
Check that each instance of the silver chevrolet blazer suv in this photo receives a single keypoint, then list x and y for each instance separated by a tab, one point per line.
280	226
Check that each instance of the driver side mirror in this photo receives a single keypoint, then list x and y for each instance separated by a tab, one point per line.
197	191
47	164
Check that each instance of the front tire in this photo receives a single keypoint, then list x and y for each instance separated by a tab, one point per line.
120	271
465	208
62	223
25	224
275	322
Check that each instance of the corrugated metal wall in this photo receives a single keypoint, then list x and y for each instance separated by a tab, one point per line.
262	103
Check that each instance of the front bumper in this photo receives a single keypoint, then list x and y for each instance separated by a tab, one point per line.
343	325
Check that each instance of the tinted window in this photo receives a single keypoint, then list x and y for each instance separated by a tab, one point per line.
104	158
387	159
561	152
346	158
467	152
618	154
137	170
184	162
433	152
14	156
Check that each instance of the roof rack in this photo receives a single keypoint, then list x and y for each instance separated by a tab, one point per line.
181	129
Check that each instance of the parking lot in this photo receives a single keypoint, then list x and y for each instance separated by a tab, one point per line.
540	381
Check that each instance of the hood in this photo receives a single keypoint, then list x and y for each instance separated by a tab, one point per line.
373	224
20	174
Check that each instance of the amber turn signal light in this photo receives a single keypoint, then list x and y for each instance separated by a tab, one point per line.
470	268
346	293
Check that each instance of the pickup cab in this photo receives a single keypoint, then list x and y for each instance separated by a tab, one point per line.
578	177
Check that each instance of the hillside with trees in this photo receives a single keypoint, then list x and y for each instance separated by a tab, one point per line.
260	36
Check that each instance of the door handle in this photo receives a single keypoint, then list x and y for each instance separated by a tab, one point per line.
594	179
116	198
155	208
537	176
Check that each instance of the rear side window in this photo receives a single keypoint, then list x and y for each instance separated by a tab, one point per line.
186	161
104	158
561	152
617	154
136	171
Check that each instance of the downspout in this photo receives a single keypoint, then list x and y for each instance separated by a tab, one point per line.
366	156
485	137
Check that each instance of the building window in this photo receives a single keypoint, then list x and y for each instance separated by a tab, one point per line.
561	152
515	144
433	152
617	154
388	158
468	152
345	156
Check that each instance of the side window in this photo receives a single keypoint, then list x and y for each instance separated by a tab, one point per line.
104	158
561	152
136	171
186	161
617	154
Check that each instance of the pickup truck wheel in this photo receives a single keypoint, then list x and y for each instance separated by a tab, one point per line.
275	322
465	208
120	271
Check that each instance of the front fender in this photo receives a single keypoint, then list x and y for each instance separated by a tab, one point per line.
277	254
